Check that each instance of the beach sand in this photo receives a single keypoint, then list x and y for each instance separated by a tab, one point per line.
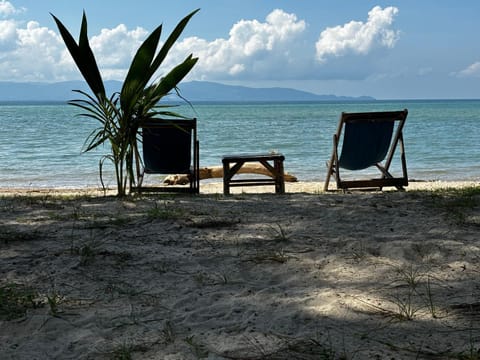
305	275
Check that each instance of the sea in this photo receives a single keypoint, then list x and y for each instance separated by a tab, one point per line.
41	144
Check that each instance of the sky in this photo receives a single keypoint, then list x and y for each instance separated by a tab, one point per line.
403	49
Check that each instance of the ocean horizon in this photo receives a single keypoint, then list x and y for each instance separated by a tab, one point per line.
41	142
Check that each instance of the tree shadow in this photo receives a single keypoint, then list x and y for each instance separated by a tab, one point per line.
299	276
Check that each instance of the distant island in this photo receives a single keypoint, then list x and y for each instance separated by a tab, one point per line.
194	91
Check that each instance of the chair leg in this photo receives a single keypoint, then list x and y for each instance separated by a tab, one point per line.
140	181
329	173
332	165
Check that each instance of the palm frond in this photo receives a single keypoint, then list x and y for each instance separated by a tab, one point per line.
170	41
83	56
174	77
138	74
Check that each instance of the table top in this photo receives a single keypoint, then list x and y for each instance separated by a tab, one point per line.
253	157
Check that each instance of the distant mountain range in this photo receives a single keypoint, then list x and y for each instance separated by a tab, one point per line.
195	91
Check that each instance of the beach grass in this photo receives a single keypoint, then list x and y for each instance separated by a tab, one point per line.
304	275
15	300
457	202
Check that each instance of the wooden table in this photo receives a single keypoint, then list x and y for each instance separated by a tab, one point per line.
233	163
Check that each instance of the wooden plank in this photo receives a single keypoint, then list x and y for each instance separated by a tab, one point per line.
252	157
373	183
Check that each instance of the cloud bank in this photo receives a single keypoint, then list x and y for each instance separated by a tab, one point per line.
253	49
357	37
274	48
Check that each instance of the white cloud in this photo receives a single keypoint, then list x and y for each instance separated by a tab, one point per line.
276	48
253	48
8	34
472	70
8	26
34	53
115	48
7	9
358	37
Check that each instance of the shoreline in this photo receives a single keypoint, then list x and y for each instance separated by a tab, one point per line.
308	187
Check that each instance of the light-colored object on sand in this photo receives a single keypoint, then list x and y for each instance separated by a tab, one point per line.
213	172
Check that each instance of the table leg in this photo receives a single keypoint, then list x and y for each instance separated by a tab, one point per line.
226	180
279	177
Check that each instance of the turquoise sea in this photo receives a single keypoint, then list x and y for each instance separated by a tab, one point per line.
41	144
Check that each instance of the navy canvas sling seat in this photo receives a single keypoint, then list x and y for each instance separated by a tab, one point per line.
368	140
365	144
170	147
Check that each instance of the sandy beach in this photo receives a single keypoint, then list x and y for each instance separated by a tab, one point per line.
255	275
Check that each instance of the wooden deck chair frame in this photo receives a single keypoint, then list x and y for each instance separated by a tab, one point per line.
187	125
386	179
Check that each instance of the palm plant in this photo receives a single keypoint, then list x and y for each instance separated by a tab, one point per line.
122	114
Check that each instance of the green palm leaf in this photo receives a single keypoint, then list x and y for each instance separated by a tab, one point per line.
83	56
170	41
138	74
174	77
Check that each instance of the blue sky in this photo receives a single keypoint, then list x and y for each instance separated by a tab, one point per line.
404	49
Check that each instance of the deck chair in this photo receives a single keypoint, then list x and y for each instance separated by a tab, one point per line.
368	139
169	147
